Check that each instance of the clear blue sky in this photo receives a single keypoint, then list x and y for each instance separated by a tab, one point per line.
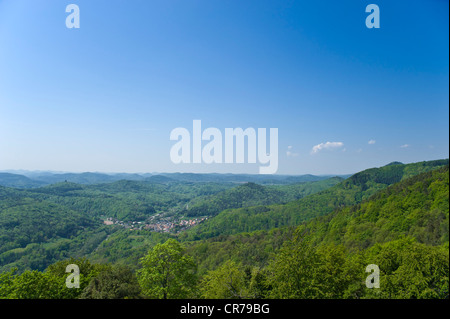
105	97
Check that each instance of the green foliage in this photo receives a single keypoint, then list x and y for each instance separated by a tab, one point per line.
41	226
125	247
407	270
50	284
329	260
125	200
167	272
226	282
318	246
18	181
416	207
34	233
6	283
35	285
294	271
24	221
410	270
88	271
251	194
233	281
349	192
117	282
249	249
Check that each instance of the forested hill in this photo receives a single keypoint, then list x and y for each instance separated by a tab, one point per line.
395	217
349	192
137	200
251	194
125	200
417	207
39	226
38	179
19	181
27	225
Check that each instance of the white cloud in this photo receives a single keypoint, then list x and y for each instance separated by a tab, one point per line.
372	142
289	152
404	146
326	146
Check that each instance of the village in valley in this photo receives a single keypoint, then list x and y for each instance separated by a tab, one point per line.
157	223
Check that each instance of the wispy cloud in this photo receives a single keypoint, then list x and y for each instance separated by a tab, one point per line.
290	153
371	142
405	146
326	146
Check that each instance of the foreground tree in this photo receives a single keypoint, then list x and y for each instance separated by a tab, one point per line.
234	281
167	273
410	270
225	282
50	284
295	270
117	282
31	285
87	269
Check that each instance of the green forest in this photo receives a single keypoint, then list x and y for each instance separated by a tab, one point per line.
220	237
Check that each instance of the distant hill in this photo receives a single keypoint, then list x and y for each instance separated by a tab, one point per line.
41	179
394	163
18	181
242	178
37	179
251	194
159	179
82	178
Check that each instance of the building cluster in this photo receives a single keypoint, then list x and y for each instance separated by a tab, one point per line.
165	225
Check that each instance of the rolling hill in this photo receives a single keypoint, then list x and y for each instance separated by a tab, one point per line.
18	181
351	191
251	194
414	210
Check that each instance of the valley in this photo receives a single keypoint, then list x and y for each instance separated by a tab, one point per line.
250	230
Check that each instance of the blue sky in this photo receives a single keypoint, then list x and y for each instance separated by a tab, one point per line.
106	96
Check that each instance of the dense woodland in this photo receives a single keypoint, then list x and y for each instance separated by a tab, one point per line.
285	237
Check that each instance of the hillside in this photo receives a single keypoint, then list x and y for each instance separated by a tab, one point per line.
41	225
251	194
241	178
125	200
351	191
32	179
35	233
123	247
416	208
18	181
240	238
395	216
